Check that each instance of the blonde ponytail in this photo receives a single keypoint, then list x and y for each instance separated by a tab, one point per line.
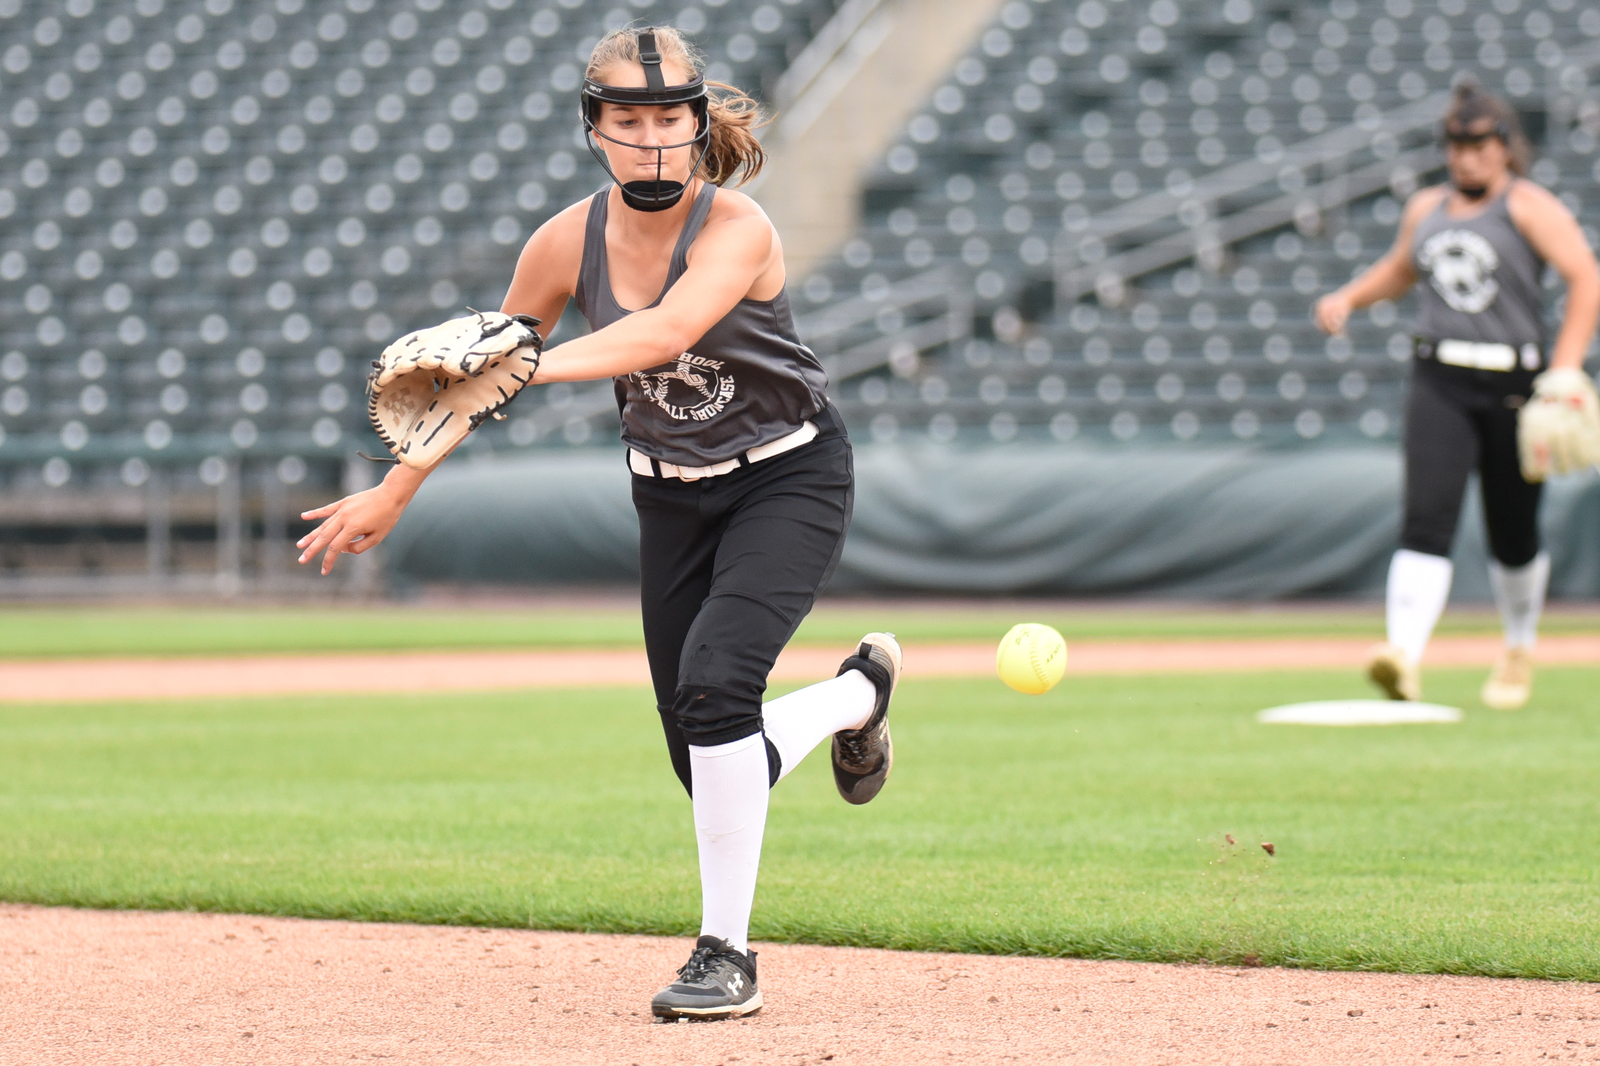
734	150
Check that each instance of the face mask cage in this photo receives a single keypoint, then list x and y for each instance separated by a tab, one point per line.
660	193
1461	134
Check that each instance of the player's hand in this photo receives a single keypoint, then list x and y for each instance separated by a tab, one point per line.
353	524
1332	312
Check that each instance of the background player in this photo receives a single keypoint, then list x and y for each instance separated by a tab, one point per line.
743	476
1481	242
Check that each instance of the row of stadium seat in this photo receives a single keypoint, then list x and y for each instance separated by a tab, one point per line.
990	183
260	195
214	212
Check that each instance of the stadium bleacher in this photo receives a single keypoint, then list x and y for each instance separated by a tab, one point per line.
1075	138
1106	225
214	213
217	210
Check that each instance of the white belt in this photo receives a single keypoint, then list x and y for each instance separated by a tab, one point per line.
1482	355
645	466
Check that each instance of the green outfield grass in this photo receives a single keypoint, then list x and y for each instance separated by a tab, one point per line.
1090	822
46	632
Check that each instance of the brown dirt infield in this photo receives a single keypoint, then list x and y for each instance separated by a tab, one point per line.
176	678
82	987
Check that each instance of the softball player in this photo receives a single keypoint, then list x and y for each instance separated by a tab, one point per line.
1481	243
742	474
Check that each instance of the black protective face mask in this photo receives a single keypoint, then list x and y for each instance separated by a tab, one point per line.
1462	138
651	195
659	193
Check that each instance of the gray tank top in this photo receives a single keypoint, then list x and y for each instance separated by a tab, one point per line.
1480	278
748	382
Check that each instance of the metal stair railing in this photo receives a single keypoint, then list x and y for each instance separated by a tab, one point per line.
1112	275
1107	278
825	330
1075	278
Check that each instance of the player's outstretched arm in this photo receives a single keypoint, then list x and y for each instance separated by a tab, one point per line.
545	276
727	260
1386	279
1547	224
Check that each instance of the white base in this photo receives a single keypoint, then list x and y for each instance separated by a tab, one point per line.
1358	712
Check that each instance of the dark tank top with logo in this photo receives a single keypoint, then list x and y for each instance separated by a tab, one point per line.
1480	278
748	382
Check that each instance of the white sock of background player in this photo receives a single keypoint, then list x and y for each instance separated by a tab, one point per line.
730	816
1419	585
1519	593
798	722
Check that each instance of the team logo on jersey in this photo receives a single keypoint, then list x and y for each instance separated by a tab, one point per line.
695	389
1462	265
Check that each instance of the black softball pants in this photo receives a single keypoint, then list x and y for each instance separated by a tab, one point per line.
730	566
1459	420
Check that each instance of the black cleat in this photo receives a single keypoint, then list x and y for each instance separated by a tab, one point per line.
717	982
862	757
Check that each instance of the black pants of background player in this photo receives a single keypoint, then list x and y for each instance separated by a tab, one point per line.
730	566
1459	420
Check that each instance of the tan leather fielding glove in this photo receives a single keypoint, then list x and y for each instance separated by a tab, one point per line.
429	389
1558	430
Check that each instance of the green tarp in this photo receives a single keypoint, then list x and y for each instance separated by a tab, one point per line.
1180	523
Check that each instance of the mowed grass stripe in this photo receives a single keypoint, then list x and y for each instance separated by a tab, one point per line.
1088	822
54	632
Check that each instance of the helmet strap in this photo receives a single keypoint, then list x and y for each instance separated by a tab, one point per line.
650	59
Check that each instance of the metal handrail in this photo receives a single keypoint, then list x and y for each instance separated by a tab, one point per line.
1108	277
944	283
1241	177
836	318
1075	279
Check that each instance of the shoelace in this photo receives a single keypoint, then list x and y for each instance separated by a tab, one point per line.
698	966
852	745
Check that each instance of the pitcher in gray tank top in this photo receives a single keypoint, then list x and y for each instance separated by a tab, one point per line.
748	382
1478	246
742	471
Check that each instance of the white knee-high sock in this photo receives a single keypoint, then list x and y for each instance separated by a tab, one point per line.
730	815
800	721
1419	585
1519	593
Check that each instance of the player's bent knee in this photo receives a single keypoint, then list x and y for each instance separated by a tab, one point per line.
709	716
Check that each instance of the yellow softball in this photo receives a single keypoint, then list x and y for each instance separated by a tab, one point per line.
1032	658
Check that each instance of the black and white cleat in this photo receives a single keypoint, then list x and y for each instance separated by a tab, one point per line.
717	982
863	757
